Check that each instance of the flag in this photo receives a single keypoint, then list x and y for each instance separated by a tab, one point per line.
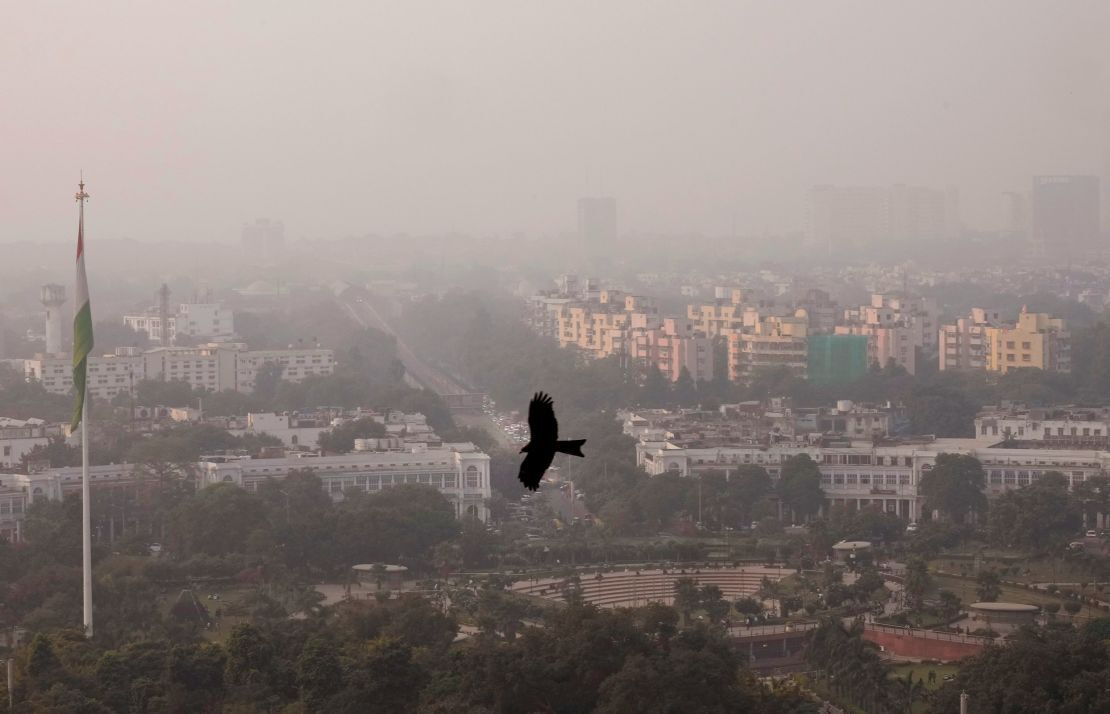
82	328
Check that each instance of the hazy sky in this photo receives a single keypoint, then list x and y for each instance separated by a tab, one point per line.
343	118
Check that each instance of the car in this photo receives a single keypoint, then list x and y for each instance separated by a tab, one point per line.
155	548
1092	534
912	528
1076	545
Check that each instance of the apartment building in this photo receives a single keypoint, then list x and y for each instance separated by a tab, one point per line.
671	347
772	342
1038	340
963	344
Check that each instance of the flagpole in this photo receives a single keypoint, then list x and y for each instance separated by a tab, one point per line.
86	498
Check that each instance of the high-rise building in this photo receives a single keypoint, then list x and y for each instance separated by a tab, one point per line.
264	239
597	221
851	218
1066	212
1015	214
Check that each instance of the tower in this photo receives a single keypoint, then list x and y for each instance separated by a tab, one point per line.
164	315
53	297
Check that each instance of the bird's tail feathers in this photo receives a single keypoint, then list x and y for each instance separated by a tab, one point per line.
571	446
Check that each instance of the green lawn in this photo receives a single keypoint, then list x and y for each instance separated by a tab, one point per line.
922	671
965	589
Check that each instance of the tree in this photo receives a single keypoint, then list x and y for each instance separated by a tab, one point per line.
800	486
917	583
686	597
216	520
341	439
1037	517
954	486
1034	670
949	604
713	602
318	672
266	381
989	585
655	391
684	391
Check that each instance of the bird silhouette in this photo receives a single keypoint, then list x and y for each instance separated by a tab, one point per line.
544	444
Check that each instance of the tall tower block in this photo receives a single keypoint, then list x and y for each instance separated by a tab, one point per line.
53	297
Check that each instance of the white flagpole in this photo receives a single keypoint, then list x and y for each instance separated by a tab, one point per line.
86	498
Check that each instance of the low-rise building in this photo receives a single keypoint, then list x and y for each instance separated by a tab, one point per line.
18	437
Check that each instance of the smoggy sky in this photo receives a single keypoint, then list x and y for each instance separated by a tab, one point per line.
341	118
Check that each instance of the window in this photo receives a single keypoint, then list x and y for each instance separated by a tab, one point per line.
473	479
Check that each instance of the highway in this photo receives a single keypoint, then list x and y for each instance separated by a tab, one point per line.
418	372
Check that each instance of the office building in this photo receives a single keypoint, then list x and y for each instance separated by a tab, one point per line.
597	221
1066	213
964	343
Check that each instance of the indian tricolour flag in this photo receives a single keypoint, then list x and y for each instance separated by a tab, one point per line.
82	328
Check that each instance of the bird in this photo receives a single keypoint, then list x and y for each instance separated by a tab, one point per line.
544	441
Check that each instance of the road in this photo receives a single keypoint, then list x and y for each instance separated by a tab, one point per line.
565	506
418	372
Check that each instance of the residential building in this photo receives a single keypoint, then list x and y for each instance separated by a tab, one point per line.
1038	340
671	347
1064	426
773	342
821	310
963	344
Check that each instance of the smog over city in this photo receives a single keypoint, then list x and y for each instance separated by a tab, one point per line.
291	295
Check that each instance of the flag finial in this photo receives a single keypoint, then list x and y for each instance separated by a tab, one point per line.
81	195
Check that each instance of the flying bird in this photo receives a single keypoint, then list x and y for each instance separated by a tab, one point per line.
544	444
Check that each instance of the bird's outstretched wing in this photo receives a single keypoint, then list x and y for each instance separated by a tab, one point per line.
541	419
532	470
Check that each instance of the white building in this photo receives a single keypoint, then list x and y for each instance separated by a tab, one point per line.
194	319
295	431
458	471
19	436
107	375
214	367
861	474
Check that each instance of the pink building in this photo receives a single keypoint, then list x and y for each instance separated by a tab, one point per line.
671	346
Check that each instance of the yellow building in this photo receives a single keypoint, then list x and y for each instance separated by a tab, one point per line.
773	342
1038	340
601	329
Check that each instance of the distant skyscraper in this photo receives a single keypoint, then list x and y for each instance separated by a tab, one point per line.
846	218
1065	212
264	238
1015	214
597	221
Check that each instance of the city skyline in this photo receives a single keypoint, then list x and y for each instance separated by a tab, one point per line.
375	120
